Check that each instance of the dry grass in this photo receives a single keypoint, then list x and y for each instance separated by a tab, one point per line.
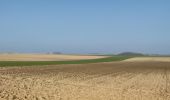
44	57
148	59
102	81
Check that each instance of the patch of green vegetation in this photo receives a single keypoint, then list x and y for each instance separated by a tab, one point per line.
31	63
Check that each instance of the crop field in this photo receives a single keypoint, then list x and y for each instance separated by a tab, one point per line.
120	80
148	59
30	60
45	57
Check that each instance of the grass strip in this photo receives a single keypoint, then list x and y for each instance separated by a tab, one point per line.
31	63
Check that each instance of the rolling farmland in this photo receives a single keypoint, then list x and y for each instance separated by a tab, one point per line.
122	80
45	57
84	50
30	60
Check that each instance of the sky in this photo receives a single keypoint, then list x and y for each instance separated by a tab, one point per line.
85	26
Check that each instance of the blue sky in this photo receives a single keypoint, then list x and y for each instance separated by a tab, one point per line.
85	26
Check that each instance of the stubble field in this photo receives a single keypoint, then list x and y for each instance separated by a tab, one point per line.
123	80
45	57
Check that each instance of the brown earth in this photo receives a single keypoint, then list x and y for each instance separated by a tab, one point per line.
102	81
44	57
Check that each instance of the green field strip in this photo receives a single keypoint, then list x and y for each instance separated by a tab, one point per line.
32	63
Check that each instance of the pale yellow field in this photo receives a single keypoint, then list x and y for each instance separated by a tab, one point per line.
148	59
44	57
103	81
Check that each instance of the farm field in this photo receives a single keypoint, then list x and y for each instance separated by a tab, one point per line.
45	57
32	60
84	50
148	59
122	80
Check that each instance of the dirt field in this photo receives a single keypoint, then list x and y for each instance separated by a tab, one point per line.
44	57
102	81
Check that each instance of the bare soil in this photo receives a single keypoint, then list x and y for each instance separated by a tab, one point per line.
102	81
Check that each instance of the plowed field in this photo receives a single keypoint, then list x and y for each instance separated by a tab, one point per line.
102	81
